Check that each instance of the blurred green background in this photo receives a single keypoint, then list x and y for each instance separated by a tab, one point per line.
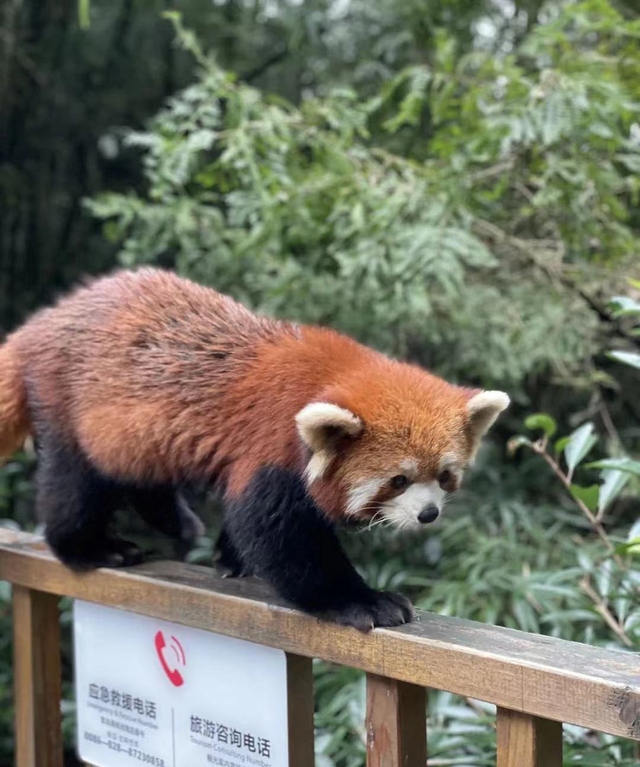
455	183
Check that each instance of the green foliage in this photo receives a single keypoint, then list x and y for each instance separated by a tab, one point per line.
615	473
510	561
288	209
626	307
590	495
16	490
313	211
627	358
578	445
542	421
620	464
84	13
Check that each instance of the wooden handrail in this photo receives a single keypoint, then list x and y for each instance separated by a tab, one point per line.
535	675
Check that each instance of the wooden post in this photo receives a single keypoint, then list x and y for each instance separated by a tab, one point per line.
528	741
36	648
396	723
300	710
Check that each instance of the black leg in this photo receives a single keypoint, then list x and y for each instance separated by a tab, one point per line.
166	510
229	560
77	505
277	530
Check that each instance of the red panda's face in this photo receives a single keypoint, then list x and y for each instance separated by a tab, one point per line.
398	460
407	491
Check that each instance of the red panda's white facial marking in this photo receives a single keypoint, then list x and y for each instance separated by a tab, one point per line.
408	499
421	502
361	498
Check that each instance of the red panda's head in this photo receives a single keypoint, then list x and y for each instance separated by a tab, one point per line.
392	443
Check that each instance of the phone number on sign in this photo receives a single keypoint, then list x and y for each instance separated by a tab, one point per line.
132	752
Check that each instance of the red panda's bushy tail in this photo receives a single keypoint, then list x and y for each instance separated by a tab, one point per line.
14	416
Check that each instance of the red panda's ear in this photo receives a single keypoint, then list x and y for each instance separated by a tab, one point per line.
483	409
321	426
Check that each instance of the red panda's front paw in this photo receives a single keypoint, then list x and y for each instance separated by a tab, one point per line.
382	608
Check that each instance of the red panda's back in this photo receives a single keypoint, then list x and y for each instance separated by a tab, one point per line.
123	365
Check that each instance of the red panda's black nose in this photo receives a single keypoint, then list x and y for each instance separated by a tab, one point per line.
429	514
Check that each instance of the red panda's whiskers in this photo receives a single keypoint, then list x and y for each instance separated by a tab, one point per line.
366	507
374	521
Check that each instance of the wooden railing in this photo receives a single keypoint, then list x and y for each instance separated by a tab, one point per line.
536	682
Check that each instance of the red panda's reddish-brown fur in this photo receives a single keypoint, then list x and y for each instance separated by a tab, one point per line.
156	379
14	418
143	381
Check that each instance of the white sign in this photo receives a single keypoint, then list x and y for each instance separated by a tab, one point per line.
154	693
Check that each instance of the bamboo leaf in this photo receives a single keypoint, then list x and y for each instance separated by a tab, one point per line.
634	533
627	358
579	444
588	495
614	482
619	464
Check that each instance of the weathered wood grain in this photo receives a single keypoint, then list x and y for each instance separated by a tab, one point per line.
528	741
396	723
37	678
300	710
538	675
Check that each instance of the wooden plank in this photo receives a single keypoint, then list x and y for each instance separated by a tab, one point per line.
36	632
538	675
300	710
396	723
528	741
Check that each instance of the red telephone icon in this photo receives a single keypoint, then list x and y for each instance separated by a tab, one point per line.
174	676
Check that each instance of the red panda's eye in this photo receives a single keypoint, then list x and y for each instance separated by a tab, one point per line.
399	482
444	478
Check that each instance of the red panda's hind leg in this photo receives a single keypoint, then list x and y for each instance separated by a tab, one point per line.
77	505
164	508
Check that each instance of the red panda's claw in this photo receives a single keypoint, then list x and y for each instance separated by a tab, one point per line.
381	608
115	553
355	616
393	609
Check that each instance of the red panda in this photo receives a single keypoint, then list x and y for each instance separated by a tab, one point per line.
142	381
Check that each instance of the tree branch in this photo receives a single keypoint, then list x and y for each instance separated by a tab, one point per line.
259	70
541	449
603	610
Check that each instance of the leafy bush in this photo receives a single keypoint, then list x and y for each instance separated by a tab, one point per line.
313	211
